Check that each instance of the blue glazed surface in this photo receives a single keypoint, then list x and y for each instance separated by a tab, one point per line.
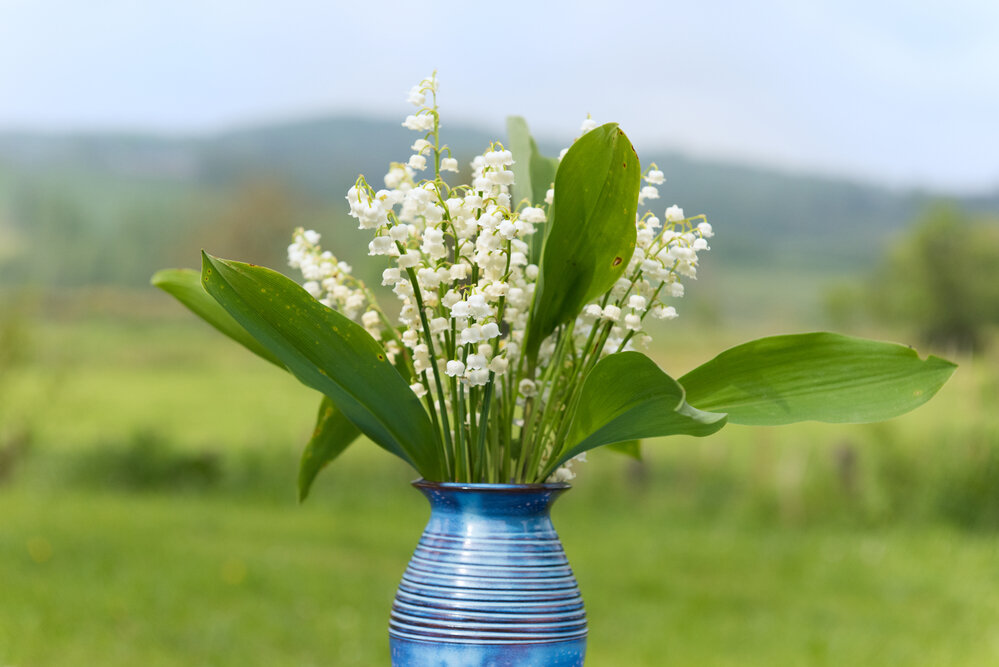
489	583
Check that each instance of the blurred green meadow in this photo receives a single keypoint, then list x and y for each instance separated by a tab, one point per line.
147	516
148	466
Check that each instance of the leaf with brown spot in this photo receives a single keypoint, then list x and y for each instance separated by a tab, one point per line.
592	223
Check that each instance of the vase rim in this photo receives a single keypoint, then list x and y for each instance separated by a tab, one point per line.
480	486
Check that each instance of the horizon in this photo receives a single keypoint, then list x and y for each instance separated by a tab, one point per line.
265	124
895	94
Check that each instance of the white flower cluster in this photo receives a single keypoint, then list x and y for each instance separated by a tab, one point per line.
664	252
460	268
327	278
565	473
465	248
459	254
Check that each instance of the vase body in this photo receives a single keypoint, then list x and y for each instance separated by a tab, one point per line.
489	583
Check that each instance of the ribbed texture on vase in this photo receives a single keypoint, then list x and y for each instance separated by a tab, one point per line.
489	569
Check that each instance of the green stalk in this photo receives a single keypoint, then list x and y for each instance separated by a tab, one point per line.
433	357
483	425
510	400
632	333
555	366
557	399
570	405
528	415
458	392
429	402
494	442
437	138
472	414
532	445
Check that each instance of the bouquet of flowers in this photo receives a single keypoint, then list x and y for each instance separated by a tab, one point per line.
523	299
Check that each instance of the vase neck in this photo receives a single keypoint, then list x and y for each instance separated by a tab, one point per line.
491	501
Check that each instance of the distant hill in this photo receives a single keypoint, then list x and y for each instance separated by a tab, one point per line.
94	186
318	156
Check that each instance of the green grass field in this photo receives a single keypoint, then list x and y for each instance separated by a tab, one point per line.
159	580
815	545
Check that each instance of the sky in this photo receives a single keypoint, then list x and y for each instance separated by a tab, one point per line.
901	93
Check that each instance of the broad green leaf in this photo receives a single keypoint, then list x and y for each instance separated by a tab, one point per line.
185	286
627	397
815	376
332	435
333	432
543	170
631	448
330	353
533	174
522	146
591	235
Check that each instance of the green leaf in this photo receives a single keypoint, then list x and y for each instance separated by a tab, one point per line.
627	397
592	232
630	448
333	432
533	174
543	171
330	353
523	147
332	435
815	376
185	286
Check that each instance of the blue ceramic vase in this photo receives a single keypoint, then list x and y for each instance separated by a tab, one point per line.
489	584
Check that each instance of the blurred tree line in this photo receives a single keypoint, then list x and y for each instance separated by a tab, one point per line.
55	238
940	281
